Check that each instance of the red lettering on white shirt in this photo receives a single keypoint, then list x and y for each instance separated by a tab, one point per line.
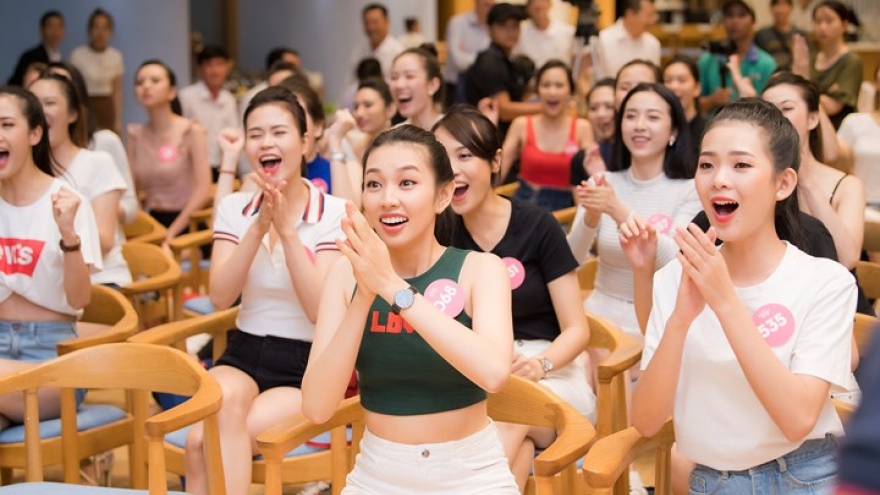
19	256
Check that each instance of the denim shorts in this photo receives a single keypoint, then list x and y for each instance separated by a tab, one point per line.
473	465
270	361
35	342
549	198
811	469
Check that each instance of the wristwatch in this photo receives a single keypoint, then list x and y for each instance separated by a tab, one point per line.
337	156
403	299
546	364
72	248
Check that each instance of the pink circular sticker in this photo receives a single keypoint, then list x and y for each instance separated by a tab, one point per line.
516	270
321	184
661	222
775	323
446	295
167	153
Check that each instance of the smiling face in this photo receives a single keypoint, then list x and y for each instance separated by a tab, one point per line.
790	101
646	126
679	79
401	197
57	109
554	91
600	112
412	90
370	111
152	86
737	181
375	26
473	175
16	139
273	143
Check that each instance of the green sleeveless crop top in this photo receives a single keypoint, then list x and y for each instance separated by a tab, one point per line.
399	373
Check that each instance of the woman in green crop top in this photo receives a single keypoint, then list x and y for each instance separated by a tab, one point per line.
425	362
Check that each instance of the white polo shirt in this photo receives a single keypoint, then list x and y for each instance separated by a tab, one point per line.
214	114
465	39
31	260
269	305
618	48
385	53
804	311
557	41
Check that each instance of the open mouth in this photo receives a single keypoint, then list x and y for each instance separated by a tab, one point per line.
271	164
393	221
4	157
724	208
460	191
403	100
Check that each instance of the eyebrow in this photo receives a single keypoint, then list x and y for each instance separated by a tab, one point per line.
404	168
736	153
276	126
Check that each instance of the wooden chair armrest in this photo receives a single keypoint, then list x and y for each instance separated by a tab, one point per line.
280	439
162	281
571	444
611	456
566	215
203	215
507	190
119	332
190	240
157	238
201	405
176	331
627	354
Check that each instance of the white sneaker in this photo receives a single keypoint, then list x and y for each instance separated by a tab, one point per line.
636	487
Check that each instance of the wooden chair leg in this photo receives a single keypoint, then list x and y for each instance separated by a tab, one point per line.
5	476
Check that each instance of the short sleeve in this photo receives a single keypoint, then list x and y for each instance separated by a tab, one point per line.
824	343
578	172
848	129
663	301
556	258
230	221
86	228
849	80
331	229
104	176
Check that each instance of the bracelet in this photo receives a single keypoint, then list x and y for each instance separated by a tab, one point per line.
230	172
337	156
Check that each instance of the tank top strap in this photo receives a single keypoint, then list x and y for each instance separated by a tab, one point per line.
834	191
530	132
573	133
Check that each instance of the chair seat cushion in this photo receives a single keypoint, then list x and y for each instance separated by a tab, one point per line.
204	264
317	444
89	416
199	304
48	488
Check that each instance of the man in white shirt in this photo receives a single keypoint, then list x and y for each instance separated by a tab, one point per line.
413	38
467	35
207	102
628	38
381	45
542	38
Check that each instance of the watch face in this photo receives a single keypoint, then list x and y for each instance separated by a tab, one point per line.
404	298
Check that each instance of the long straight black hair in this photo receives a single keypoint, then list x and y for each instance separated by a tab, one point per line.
32	110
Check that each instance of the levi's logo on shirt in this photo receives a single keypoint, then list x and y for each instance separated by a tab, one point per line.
393	323
19	255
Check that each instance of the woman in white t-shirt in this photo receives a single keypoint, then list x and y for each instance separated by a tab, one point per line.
273	248
745	342
48	244
92	173
859	139
417	87
102	66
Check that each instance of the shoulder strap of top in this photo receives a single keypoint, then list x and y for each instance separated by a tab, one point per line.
834	191
452	260
530	131
573	133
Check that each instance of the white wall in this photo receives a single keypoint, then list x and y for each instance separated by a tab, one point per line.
153	29
324	32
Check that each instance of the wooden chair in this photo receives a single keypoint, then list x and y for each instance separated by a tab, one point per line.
195	268
111	319
507	190
521	401
155	289
586	274
565	216
868	275
140	369
871	241
863	331
307	465
145	228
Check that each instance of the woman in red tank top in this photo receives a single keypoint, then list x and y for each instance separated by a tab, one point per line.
545	143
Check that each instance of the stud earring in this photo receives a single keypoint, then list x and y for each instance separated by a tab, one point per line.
671	141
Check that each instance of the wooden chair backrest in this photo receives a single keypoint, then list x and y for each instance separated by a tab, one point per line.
153	270
871	240
507	190
863	330
174	334
868	274
145	228
114	316
587	274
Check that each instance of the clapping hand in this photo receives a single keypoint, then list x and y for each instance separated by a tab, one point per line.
368	255
639	243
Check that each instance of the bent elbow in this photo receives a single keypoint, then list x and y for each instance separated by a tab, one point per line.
317	411
797	429
496	381
220	301
646	429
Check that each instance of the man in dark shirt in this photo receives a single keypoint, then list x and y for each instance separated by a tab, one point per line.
493	74
776	39
51	33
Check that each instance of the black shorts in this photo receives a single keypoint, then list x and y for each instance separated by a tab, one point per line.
270	361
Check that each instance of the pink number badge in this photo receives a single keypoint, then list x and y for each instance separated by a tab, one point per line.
775	323
167	153
661	222
321	184
516	270
446	295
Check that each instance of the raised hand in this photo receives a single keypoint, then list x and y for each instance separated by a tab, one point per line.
742	83
65	203
368	255
231	141
704	265
638	240
800	56
343	123
489	107
593	163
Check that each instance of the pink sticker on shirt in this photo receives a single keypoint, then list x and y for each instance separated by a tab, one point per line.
446	295
661	222
775	323
321	184
167	153
516	270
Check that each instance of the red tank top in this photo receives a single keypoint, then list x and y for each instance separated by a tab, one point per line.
547	169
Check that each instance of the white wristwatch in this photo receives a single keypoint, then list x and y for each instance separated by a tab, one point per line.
337	156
